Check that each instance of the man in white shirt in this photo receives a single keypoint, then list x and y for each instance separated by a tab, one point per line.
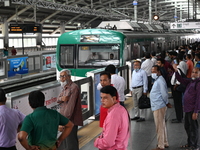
177	95
118	82
138	87
153	58
146	66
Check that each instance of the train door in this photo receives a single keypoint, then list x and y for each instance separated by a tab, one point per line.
135	52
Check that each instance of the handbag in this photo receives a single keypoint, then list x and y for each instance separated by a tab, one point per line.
181	88
144	102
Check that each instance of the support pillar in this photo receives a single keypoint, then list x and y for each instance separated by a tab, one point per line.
181	13
39	40
5	32
150	12
62	27
135	13
175	12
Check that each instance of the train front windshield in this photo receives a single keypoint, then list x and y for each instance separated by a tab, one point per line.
98	55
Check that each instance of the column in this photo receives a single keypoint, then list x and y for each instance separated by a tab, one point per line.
150	12
62	27
5	32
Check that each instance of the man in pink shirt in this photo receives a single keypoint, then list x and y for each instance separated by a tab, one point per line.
116	131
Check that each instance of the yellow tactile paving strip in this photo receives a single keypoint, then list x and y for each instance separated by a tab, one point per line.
92	130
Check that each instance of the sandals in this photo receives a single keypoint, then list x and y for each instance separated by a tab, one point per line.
185	146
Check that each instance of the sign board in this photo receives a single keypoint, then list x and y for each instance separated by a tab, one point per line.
49	61
25	28
17	66
185	25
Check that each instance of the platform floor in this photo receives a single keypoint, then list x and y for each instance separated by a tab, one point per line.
143	134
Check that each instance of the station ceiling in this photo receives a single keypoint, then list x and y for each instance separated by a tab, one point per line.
89	13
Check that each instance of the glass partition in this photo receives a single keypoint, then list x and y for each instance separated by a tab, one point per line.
66	56
3	69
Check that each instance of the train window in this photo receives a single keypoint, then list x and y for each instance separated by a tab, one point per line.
98	55
66	56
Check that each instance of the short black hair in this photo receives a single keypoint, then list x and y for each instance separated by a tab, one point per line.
189	56
161	60
109	90
2	95
105	73
153	53
111	69
180	56
36	99
147	55
156	66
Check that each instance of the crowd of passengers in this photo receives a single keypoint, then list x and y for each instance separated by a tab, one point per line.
177	69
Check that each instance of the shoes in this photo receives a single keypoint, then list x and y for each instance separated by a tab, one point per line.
166	146
176	121
158	148
140	120
135	118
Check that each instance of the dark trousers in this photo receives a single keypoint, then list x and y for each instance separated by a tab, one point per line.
71	142
177	96
191	127
8	148
149	83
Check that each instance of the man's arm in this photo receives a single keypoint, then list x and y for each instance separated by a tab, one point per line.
67	129
145	82
109	134
74	97
22	137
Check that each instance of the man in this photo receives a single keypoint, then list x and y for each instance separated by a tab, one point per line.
146	66
160	63
159	101
177	95
191	101
13	51
153	57
116	130
10	122
118	82
138	87
197	59
41	126
105	80
182	64
190	65
70	101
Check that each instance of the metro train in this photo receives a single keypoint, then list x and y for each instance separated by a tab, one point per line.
84	50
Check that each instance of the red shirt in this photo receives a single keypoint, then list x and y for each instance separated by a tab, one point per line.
190	67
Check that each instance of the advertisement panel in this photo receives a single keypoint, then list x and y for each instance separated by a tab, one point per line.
17	66
49	61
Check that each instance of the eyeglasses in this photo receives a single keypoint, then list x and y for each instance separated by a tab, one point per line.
62	76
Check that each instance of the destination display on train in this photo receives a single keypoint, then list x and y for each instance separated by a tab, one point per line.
25	28
89	38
